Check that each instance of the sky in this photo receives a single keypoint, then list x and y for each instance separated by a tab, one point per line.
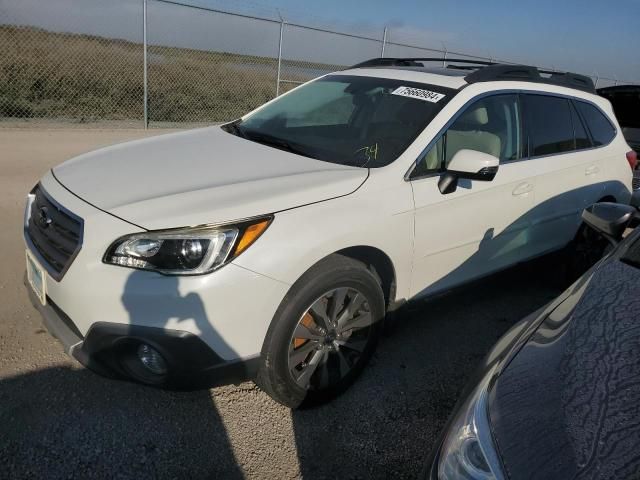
589	36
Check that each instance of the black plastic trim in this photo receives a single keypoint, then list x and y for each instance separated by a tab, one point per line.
56	275
192	363
417	62
526	73
487	71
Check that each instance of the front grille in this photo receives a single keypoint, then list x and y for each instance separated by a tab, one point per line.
636	180
55	233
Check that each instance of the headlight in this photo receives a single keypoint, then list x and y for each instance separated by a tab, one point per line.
468	451
185	251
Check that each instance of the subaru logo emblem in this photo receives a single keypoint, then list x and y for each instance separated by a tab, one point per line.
44	220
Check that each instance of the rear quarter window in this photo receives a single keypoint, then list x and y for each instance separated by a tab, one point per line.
602	131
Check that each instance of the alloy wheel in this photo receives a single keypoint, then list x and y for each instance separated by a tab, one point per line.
329	338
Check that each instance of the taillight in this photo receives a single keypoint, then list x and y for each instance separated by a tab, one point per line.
632	158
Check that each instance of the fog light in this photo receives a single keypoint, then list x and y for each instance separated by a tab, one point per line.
151	359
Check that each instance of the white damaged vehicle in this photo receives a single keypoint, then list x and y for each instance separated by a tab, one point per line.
272	248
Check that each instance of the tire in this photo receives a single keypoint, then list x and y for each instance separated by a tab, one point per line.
334	356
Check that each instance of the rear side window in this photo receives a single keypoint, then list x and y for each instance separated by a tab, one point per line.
549	125
600	127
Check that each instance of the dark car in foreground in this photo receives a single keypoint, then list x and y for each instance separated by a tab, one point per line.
558	397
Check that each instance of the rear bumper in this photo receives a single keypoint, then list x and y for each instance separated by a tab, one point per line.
109	349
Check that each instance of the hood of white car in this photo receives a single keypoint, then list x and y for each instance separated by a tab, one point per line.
199	177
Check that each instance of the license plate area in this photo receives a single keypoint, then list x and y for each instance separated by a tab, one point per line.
37	278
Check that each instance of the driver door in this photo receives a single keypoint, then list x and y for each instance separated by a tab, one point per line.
482	226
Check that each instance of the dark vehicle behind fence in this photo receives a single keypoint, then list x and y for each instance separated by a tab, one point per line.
626	105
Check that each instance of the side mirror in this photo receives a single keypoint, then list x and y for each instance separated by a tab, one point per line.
609	219
468	164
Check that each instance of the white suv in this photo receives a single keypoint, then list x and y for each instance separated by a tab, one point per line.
271	248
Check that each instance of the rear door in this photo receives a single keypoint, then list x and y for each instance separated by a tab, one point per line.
569	171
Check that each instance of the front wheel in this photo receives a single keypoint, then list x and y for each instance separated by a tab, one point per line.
323	333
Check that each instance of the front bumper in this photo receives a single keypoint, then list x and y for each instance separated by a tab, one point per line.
229	310
109	350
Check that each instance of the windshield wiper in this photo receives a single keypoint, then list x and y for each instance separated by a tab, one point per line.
277	142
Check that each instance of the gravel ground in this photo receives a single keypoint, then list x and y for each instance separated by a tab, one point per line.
58	420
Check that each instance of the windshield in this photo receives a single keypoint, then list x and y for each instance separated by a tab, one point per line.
350	120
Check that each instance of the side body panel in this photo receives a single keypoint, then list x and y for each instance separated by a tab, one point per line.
378	216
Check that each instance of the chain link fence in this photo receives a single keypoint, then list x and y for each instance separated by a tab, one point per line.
161	63
69	77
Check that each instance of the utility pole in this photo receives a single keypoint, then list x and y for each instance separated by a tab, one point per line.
144	61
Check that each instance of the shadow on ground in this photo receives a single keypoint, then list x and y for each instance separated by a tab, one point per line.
65	422
68	423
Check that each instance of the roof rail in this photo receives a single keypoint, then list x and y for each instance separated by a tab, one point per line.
504	72
485	71
416	62
528	73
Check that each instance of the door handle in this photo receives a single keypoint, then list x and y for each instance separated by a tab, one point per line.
522	189
591	170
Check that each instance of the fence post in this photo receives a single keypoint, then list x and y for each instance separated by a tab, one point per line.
145	94
384	42
279	55
444	59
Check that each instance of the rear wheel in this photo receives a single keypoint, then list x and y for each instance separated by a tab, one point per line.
323	334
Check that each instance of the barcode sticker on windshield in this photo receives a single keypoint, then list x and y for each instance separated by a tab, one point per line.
418	93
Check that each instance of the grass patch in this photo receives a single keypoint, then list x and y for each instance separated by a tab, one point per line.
87	78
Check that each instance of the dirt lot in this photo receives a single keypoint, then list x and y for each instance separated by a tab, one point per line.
58	420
